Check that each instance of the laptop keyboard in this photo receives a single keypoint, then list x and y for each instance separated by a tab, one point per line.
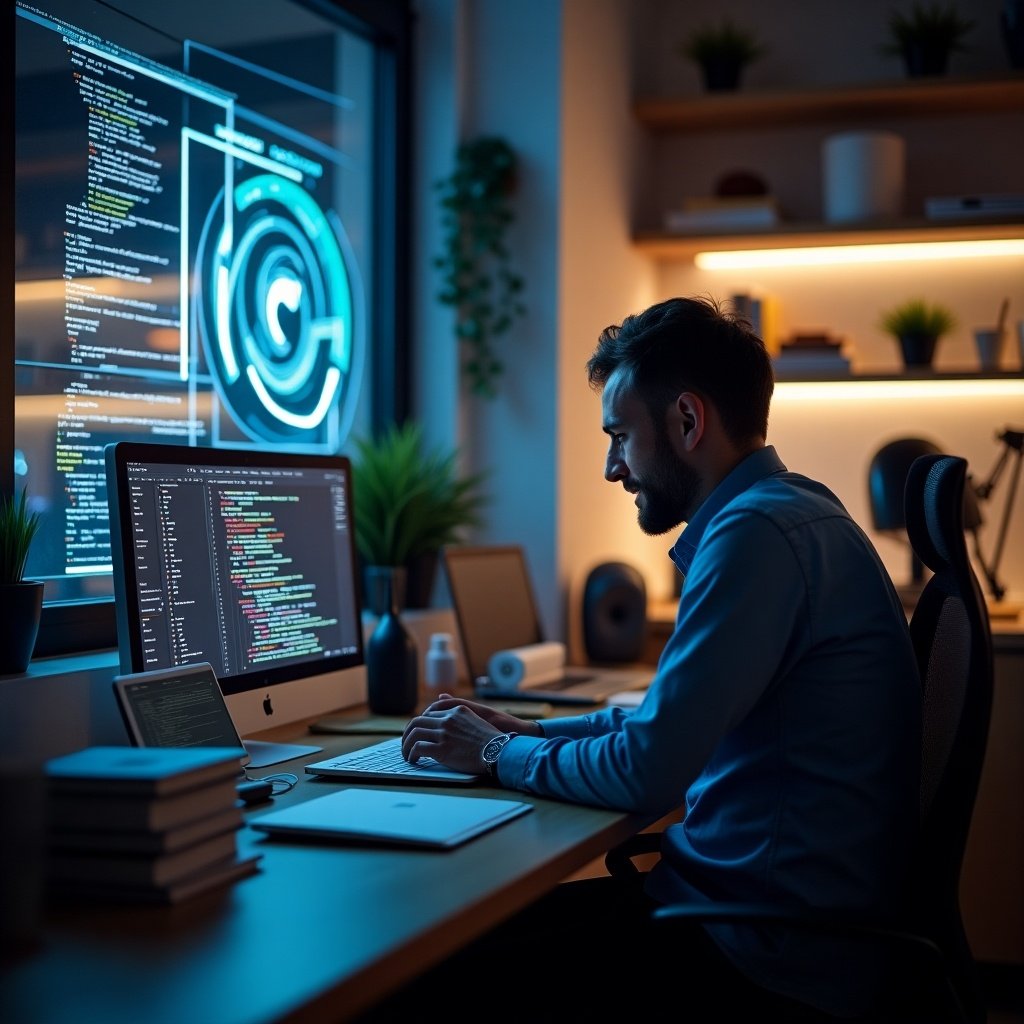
382	757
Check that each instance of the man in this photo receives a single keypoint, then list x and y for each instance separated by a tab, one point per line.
785	711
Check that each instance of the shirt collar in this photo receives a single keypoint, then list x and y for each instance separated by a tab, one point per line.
759	464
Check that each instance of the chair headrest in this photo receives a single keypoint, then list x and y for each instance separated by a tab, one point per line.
934	503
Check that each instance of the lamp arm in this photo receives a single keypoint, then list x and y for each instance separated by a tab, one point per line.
997	553
998	590
1014	442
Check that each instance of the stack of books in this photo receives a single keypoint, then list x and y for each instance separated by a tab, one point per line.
147	825
708	213
812	355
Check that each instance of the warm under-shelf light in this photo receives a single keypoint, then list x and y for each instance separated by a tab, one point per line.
823	255
864	390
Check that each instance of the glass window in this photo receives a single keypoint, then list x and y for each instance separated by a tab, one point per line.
205	241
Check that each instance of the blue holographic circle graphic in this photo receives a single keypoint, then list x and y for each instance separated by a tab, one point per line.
275	312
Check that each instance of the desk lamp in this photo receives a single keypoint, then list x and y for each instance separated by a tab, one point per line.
887	477
1013	441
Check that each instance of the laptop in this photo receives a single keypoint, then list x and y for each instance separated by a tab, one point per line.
184	706
492	596
383	762
432	821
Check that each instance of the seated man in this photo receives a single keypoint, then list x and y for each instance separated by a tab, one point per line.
784	714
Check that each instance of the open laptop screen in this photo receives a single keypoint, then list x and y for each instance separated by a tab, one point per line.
493	601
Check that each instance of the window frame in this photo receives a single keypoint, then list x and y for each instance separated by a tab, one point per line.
83	626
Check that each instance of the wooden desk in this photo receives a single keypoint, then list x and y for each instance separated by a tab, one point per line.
320	934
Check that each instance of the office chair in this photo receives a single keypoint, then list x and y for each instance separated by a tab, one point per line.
934	977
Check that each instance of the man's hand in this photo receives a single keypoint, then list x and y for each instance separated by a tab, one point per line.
453	731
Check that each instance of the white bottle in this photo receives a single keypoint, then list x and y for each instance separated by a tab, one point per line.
441	671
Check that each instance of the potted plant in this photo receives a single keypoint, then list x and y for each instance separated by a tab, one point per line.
21	600
927	35
722	52
917	325
409	502
476	268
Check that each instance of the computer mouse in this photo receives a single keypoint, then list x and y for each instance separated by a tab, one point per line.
254	791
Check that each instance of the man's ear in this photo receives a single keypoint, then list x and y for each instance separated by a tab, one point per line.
690	416
687	420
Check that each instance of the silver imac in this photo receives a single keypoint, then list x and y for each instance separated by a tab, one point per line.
245	560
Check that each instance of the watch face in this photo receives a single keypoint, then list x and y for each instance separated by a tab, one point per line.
492	748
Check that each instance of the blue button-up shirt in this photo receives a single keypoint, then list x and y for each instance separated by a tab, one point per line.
784	714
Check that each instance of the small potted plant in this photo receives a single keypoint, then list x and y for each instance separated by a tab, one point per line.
722	51
917	325
409	502
926	36
21	600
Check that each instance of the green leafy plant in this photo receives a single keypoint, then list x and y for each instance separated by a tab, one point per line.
916	316
477	278
724	41
18	528
930	30
408	500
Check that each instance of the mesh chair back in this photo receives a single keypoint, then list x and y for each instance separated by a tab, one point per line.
953	642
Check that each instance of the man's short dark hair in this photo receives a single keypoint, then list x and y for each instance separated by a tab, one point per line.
690	344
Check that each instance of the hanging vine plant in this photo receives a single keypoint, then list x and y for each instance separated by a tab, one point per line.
477	278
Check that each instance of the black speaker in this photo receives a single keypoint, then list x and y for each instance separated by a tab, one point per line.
614	614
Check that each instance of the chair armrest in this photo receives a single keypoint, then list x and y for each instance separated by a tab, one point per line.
619	859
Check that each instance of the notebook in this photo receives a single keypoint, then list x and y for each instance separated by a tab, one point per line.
185	707
390	817
493	599
383	761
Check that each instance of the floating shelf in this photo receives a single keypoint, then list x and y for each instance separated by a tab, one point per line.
939	96
674	244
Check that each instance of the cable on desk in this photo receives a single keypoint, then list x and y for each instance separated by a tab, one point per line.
281	782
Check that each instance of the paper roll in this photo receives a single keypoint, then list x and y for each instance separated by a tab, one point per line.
522	667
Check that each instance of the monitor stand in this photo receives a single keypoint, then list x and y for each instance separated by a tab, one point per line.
263	754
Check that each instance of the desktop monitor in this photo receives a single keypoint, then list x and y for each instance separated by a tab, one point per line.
246	560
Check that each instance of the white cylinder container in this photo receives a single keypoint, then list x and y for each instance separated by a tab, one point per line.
441	670
863	176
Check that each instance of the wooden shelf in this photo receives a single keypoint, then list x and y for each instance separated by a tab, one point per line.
916	97
675	245
902	376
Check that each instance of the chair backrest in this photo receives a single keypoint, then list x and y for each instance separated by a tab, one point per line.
953	643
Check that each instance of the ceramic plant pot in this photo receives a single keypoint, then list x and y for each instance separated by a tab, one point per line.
21	609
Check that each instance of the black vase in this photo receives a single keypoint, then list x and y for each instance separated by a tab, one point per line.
21	609
392	659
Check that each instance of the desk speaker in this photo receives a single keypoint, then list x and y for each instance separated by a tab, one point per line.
614	613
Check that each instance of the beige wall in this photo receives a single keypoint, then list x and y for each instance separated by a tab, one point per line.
559	80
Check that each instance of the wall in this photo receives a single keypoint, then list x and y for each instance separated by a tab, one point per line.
559	81
500	65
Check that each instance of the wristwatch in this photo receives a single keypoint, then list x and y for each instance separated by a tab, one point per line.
492	748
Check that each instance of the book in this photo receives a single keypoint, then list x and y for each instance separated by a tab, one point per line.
146	841
215	876
100	813
968	206
129	771
141	869
723	212
812	365
391	817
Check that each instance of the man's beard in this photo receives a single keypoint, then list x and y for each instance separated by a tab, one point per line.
668	494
